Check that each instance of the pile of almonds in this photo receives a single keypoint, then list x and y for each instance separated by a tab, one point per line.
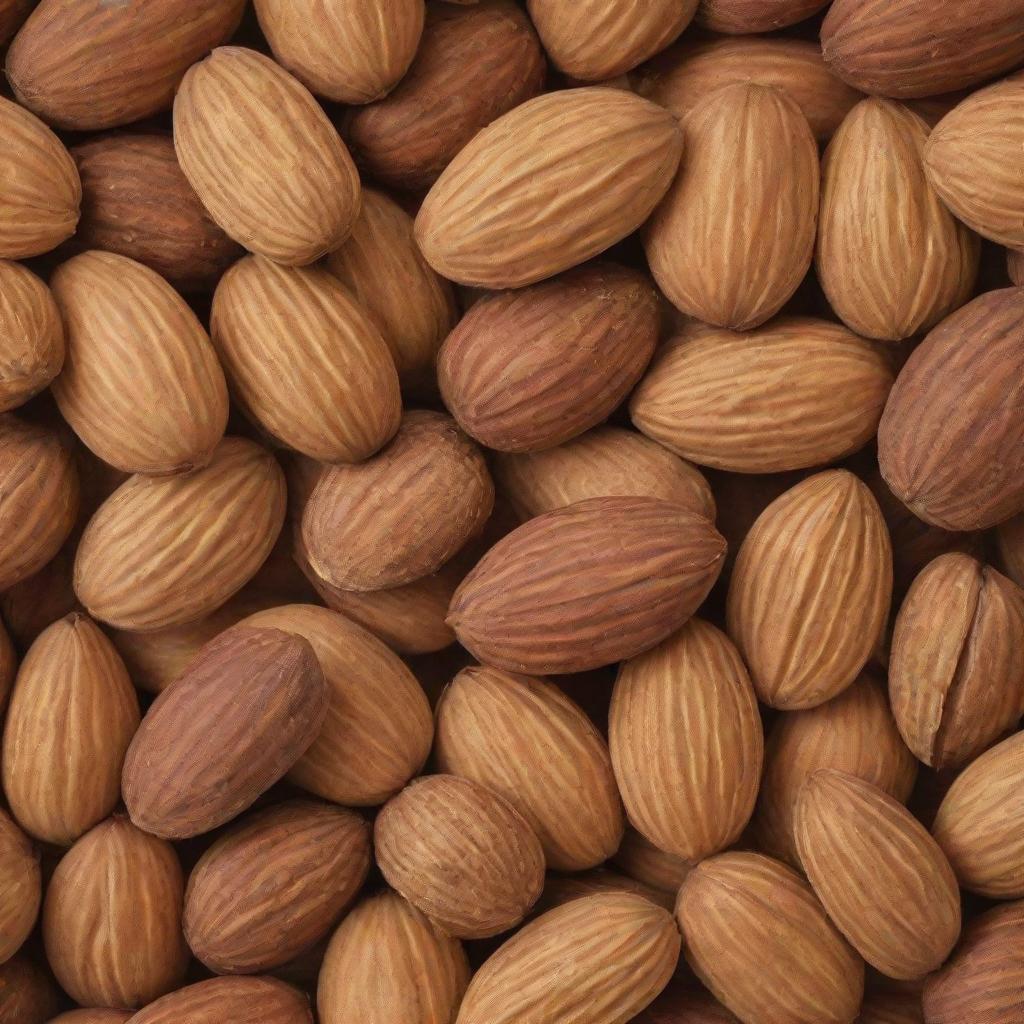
512	512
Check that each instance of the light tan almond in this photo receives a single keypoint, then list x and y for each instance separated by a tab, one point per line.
31	336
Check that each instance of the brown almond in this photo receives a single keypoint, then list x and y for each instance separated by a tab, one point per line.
21	888
681	1003
31	336
12	14
8	665
1015	266
93	1017
640	859
239	1000
27	992
894	1007
562	889
745	16
39	600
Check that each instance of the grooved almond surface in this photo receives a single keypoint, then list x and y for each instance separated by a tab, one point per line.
744	16
21	887
31	335
27	992
240	1000
562	889
93	1017
640	859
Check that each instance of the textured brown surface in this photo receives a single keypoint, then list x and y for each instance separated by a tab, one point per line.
891	1008
20	886
682	1004
639	858
31	335
744	16
27	993
12	14
98	1016
239	1000
562	889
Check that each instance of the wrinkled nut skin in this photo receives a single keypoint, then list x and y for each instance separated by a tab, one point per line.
239	1000
27	992
642	861
745	16
21	887
562	889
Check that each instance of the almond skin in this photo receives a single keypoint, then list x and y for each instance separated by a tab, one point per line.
919	263
980	823
39	600
879	874
792	394
732	240
1010	545
686	742
386	963
444	836
891	1008
524	739
529	369
31	336
27	993
639	568
949	443
137	569
744	16
305	361
641	860
562	889
12	14
8	666
21	887
239	1000
141	385
810	591
93	1017
496	218
473	65
112	918
263	157
1015	266
246	709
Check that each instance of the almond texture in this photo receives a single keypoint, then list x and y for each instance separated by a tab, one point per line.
31	335
744	16
240	1000
21	887
27	992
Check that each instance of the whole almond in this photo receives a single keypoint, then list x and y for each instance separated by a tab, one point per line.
263	157
810	591
640	859
31	336
443	837
339	400
744	16
21	888
27	992
496	217
562	889
93	1017
686	742
792	394
639	568
529	369
387	962
523	738
732	240
239	1000
919	263
126	886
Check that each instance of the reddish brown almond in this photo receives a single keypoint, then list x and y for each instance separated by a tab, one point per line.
562	889
112	918
745	16
587	585
1015	266
793	394
1010	545
682	1003
602	958
339	399
497	216
93	1017
27	993
239	1000
732	239
8	665
949	443
686	742
21	889
891	1008
141	385
529	369
12	14
31	336
137	569
810	591
523	738
444	836
246	709
40	599
263	157
472	66
387	962
640	859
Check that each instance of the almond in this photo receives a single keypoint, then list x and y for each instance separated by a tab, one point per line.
640	859
686	742
1009	537
529	369
1015	266
497	217
562	889
735	234
810	591
461	854
12	14
386	963
39	600
93	1017
919	263
126	886
31	336
21	888
263	157
137	569
639	568
745	16
239	1000
523	738
27	993
792	394
891	1008
8	666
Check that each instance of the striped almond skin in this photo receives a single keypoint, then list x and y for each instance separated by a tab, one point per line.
795	393
601	958
742	909
810	591
27	992
547	186
304	360
112	918
31	336
587	585
641	860
949	442
239	1000
919	263
141	385
853	733
137	569
523	738
879	874
21	887
980	823
98	1016
388	963
73	713
350	52
264	159
402	514
596	41
734	236
686	742
745	16
528	369
42	192
274	885
461	854
983	983
562	889
377	731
